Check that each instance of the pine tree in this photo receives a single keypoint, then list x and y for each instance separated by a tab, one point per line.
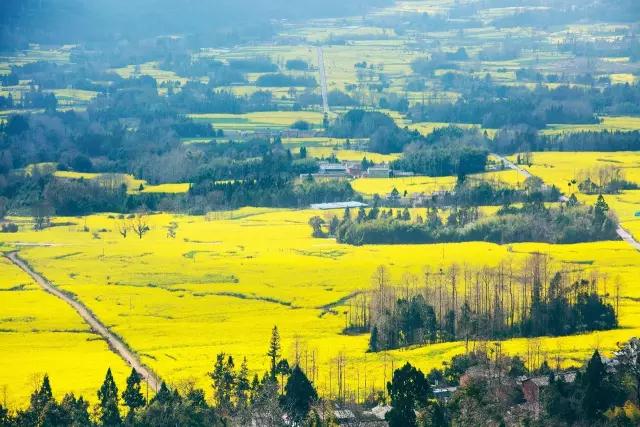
163	396
283	369
347	215
222	376
41	397
108	398
600	210
255	387
242	386
573	200
274	350
299	394
77	410
132	395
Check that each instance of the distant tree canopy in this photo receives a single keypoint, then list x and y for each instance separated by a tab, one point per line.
531	223
453	304
297	64
444	160
495	106
285	80
384	134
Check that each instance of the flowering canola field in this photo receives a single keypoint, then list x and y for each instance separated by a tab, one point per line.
560	168
226	279
40	334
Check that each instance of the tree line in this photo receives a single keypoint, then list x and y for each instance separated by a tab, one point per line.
533	222
460	303
486	387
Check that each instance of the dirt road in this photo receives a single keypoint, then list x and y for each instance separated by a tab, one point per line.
115	343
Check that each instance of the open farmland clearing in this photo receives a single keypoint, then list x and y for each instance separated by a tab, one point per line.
40	334
179	302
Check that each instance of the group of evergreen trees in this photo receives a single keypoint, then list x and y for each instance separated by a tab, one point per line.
533	222
488	389
284	392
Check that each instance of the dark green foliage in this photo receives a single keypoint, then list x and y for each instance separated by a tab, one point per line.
285	80
274	192
41	397
171	409
531	223
408	391
299	394
109	411
297	64
223	377
384	135
444	161
274	351
599	392
132	396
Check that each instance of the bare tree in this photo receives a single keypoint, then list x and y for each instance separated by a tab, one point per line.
172	230
123	226
140	224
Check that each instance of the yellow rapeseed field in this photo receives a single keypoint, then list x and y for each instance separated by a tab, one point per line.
40	334
560	168
227	278
428	184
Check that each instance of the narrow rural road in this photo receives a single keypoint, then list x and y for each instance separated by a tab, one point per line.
622	233
627	237
511	165
115	343
323	81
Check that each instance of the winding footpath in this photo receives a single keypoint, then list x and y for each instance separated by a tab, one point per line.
115	343
622	233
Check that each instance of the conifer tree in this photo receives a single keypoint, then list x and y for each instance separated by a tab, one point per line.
274	350
299	394
77	410
132	395
108	402
409	390
243	387
41	397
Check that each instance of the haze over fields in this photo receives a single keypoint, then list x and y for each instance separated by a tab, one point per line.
367	212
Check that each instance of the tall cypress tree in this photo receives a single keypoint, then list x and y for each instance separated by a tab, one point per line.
274	350
108	398
299	394
242	386
132	395
599	393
